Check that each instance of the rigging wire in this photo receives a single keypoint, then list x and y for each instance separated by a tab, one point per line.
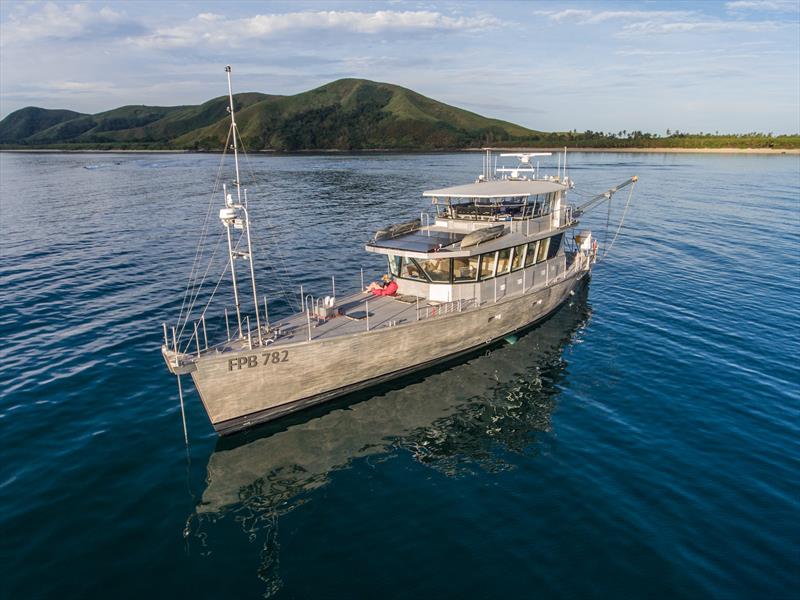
282	278
199	287
214	291
621	222
608	223
191	283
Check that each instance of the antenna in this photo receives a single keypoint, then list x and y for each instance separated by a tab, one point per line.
525	164
525	157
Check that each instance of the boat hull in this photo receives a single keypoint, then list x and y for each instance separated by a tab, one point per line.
243	389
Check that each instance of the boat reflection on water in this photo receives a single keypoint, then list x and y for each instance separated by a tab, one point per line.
453	419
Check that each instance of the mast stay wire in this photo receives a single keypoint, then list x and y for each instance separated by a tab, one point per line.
213	292
199	287
283	279
621	222
192	282
608	223
285	276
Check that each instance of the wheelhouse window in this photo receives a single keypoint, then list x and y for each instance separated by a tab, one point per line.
437	269
542	253
555	244
394	264
465	269
503	261
530	256
487	265
519	253
409	269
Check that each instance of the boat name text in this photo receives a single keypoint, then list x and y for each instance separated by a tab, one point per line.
251	360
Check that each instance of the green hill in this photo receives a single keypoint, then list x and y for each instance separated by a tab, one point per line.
349	114
26	122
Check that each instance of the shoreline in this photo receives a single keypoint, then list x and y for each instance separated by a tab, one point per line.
763	151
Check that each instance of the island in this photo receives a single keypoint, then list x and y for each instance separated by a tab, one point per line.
346	115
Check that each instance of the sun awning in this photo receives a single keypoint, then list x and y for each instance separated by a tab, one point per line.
497	189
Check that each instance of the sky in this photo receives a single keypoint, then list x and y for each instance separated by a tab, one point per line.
602	65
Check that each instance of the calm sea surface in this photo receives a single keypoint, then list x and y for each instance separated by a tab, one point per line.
643	442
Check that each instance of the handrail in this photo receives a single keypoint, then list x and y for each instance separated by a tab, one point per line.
445	308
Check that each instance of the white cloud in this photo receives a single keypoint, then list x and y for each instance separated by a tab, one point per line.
655	27
587	17
642	52
765	5
216	29
61	21
670	21
570	13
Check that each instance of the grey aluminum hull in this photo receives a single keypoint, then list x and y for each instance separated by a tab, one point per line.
242	389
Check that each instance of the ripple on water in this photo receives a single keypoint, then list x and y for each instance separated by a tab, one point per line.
642	442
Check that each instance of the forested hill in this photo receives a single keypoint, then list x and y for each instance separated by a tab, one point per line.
348	114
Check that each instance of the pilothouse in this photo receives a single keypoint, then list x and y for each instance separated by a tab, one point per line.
491	258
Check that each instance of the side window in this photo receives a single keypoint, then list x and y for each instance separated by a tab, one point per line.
411	270
394	264
542	253
530	257
465	269
503	261
555	244
545	203
516	262
437	269
487	265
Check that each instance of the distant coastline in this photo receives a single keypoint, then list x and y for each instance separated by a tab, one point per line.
344	116
764	151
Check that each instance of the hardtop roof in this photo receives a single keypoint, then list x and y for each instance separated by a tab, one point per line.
502	188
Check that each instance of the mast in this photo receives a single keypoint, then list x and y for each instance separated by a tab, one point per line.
233	131
229	217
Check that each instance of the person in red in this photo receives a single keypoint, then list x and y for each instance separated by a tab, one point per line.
388	287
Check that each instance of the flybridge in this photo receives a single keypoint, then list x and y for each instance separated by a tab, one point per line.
505	193
502	188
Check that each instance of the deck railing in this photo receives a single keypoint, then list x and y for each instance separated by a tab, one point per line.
445	308
564	216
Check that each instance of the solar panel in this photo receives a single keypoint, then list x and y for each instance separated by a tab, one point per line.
420	241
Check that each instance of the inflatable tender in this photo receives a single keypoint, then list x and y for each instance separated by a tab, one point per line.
393	231
482	235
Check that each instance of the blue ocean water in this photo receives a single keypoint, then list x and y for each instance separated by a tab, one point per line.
643	442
